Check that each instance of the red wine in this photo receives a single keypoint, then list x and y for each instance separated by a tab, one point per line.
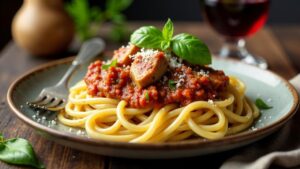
236	18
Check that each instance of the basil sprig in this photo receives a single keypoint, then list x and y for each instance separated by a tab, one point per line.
18	151
185	46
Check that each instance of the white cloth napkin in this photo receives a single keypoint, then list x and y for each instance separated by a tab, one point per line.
281	149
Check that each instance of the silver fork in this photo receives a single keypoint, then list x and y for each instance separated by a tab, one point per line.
54	98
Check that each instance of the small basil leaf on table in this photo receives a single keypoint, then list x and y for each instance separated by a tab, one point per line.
191	49
147	37
18	151
261	104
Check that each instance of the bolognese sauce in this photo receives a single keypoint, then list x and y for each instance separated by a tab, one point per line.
180	83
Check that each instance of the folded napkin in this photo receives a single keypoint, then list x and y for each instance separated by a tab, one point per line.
280	150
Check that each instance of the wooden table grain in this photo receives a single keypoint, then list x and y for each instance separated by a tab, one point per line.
277	44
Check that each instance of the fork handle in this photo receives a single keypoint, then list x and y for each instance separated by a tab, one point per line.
88	50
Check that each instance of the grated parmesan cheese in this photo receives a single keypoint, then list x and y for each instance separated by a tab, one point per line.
145	53
53	122
127	46
179	83
202	73
182	76
34	116
175	62
210	101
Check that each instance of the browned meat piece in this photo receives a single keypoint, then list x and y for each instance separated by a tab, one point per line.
218	79
146	70
123	53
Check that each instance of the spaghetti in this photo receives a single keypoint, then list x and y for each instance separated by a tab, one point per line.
110	119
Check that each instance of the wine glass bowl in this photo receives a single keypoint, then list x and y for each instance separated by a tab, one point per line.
236	20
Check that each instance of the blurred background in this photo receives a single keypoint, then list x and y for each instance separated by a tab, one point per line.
281	12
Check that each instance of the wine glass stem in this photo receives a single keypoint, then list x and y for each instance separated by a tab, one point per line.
234	48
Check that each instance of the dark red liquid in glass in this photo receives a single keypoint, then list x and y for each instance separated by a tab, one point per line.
236	18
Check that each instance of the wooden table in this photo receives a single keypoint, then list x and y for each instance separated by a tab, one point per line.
279	45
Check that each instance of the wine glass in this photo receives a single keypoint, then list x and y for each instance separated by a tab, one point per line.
235	20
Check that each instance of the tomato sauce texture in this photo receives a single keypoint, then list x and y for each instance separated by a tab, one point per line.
181	85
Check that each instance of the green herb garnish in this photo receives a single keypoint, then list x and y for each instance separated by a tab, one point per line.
172	84
185	46
113	63
147	96
261	104
18	151
83	16
88	19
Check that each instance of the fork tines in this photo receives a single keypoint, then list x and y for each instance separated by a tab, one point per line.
47	103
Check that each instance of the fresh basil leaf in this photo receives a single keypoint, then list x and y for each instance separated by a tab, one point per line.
19	151
261	104
147	96
147	37
168	30
191	49
172	84
165	45
113	63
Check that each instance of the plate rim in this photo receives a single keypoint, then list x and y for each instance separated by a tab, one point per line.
186	144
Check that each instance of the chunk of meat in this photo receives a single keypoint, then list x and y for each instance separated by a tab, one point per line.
123	54
218	79
145	70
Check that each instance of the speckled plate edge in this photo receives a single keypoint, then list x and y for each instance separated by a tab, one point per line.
188	144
